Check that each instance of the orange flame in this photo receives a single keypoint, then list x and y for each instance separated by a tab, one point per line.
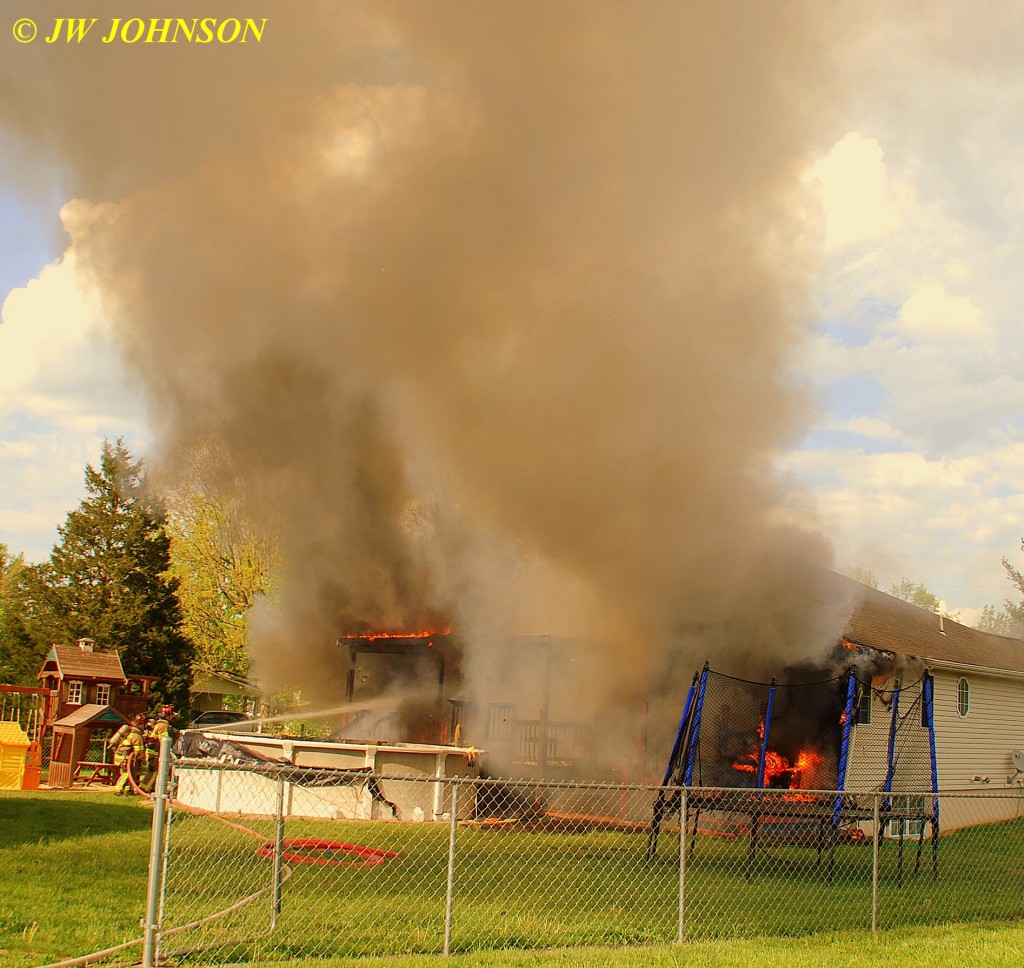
423	634
776	764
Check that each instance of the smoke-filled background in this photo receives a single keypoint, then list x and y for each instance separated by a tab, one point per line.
491	307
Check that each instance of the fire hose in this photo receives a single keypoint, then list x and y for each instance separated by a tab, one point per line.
366	857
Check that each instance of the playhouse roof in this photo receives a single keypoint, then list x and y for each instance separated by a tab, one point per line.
91	714
72	662
883	622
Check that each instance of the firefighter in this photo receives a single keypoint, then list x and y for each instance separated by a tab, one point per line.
115	741
150	760
128	753
163	725
158	729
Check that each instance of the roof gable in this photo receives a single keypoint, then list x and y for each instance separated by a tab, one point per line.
71	662
90	715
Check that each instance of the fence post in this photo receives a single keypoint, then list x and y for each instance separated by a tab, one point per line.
449	899
874	867
275	908
156	844
681	929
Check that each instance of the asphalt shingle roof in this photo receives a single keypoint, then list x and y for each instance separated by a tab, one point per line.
887	623
72	662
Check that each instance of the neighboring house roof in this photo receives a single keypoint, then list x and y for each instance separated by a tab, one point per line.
71	662
222	684
883	622
91	714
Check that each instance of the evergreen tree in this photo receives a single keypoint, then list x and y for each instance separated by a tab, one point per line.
1007	621
20	657
108	578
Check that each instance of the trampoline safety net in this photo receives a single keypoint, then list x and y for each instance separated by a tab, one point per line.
853	732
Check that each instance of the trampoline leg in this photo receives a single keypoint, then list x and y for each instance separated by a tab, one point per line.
935	851
652	844
833	841
899	860
663	807
752	844
652	838
920	847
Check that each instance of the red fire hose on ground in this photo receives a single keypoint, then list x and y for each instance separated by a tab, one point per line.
363	857
358	856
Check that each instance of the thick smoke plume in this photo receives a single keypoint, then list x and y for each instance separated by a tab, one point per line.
490	306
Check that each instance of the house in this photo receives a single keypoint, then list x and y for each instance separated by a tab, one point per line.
210	689
978	687
81	674
905	701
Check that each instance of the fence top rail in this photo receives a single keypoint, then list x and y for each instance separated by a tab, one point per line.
724	795
274	770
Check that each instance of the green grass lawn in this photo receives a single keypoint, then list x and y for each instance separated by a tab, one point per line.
73	880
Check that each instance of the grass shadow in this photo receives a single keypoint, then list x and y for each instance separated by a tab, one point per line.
40	818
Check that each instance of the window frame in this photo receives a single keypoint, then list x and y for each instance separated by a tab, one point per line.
963	697
76	692
104	692
862	716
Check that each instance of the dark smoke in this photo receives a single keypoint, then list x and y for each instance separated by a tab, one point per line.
491	306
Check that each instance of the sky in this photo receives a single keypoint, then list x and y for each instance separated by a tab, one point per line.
913	465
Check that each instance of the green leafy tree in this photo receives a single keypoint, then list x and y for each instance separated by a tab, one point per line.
20	657
865	576
1009	620
919	595
108	578
222	564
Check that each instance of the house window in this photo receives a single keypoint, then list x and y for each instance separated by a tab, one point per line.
863	717
103	693
963	697
75	693
907	829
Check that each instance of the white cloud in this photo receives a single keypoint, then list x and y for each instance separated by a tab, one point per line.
921	293
946	523
931	314
869	427
855	196
62	391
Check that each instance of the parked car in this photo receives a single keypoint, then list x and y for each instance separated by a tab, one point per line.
214	718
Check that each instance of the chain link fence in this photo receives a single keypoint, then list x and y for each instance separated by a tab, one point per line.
261	865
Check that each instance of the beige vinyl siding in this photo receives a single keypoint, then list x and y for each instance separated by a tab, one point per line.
868	755
980	743
868	760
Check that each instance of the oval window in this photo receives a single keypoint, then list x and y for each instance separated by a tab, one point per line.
963	697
